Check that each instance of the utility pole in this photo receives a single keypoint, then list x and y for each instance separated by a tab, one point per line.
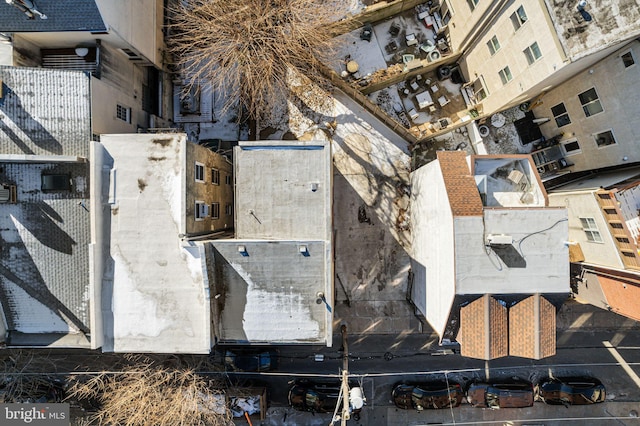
345	378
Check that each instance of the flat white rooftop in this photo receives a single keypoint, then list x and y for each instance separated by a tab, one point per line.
154	295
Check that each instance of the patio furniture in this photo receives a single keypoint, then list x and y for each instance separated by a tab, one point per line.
442	100
432	108
411	39
413	113
414	85
435	88
424	99
352	67
391	47
394	30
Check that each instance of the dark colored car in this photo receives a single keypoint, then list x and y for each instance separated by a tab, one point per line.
501	395
429	395
250	359
317	396
571	391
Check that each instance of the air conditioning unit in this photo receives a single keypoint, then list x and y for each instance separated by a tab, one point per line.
515	176
499	239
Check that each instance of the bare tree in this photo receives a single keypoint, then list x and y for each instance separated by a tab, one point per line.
149	393
248	48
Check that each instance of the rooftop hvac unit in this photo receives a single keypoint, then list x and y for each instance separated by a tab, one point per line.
515	176
499	240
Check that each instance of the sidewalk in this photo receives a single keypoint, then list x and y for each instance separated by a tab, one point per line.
608	413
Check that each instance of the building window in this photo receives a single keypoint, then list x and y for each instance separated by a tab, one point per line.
227	179
505	75
215	210
561	115
590	102
228	209
627	59
123	113
472	3
215	176
493	45
479	89
532	53
590	229
445	12
605	139
199	172
202	210
518	18
571	147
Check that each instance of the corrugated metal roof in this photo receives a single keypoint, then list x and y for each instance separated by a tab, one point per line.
463	194
62	15
532	328
483	329
44	261
44	112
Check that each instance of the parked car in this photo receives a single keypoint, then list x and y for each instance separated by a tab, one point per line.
501	395
429	395
319	396
571	391
250	359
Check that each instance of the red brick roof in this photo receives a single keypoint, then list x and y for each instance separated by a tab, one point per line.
622	296
462	191
532	328
483	329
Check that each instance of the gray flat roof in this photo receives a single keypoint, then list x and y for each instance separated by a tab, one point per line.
283	190
269	292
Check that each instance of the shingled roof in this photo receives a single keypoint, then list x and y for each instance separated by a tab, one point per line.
532	328
462	191
62	15
483	329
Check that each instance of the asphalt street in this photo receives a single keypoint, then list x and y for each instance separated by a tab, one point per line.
379	362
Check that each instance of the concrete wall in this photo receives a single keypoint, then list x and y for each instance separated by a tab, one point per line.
432	246
616	87
583	204
138	23
206	191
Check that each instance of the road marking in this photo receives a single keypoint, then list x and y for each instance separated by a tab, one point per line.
486	370
625	366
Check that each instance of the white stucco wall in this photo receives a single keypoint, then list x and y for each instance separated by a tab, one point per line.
544	263
432	246
583	204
